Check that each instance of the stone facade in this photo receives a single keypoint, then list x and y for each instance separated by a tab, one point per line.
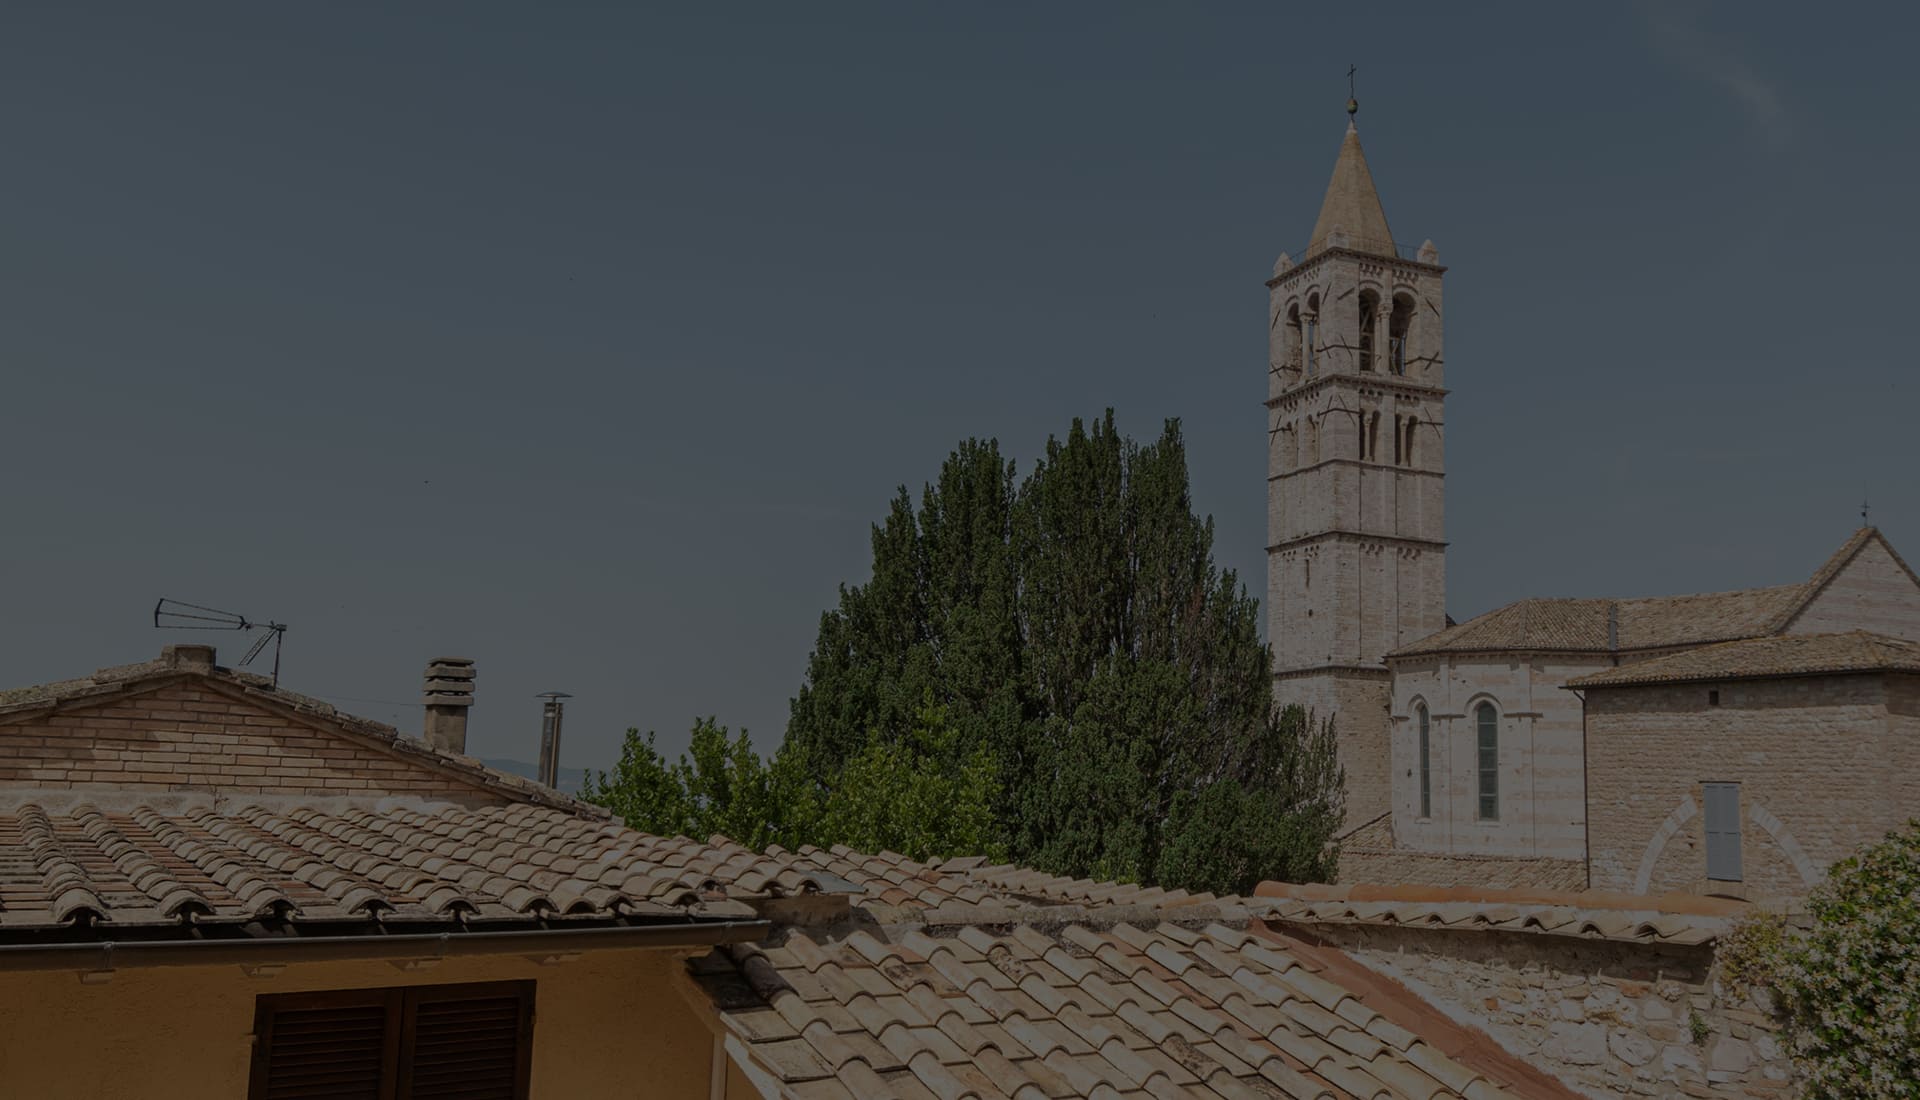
1519	661
1356	464
1607	1017
1540	811
1824	764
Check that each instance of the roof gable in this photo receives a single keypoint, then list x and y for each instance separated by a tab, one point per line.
182	722
1864	586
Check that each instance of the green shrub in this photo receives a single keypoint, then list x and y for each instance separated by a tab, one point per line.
1847	987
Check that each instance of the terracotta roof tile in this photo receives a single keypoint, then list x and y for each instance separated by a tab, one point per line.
1667	919
125	859
1783	655
1243	1017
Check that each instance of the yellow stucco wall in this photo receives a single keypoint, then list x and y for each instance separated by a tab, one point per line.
611	1024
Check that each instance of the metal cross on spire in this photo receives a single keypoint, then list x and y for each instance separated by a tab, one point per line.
1866	513
1353	104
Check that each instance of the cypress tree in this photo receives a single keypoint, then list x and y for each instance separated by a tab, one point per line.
1076	631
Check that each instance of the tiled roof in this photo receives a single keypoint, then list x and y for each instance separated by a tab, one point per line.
892	880
1686	920
1656	622
1582	625
72	860
177	662
1784	655
1073	1010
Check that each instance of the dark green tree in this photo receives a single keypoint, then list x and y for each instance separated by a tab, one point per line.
1075	629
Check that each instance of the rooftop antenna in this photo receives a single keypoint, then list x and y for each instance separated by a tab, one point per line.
175	615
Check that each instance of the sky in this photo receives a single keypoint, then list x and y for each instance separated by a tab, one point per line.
588	341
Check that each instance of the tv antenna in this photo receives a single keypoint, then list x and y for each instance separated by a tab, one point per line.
175	615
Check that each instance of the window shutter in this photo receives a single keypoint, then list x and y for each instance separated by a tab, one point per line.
1723	830
332	1045
471	1043
436	1042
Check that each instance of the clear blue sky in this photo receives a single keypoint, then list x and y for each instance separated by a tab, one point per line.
587	341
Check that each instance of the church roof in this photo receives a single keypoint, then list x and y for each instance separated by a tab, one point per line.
1655	622
1754	658
1352	205
1601	625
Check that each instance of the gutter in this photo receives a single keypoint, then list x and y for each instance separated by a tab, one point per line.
109	955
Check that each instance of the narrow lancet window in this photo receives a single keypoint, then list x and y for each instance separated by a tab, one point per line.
1426	764
1488	721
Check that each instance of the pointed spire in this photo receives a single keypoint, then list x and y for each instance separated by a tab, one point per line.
1352	207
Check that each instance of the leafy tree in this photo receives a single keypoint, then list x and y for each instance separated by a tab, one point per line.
719	786
1847	987
921	795
1075	630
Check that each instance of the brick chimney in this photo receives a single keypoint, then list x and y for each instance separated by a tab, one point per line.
192	658
448	695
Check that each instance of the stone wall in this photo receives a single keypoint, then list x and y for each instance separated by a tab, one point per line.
1608	1018
1400	867
1825	764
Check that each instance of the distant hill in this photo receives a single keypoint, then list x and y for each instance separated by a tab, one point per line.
571	779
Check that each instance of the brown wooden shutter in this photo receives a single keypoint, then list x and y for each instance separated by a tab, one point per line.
337	1045
470	1042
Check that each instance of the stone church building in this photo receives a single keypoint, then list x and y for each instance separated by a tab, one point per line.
1733	742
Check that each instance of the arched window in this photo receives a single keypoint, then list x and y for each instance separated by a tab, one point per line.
1406	449
1426	762
1399	325
1370	440
1369	312
1310	336
1487	720
1310	443
1293	336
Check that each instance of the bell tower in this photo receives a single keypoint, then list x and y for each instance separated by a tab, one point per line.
1356	543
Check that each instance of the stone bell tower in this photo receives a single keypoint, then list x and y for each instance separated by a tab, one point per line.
1356	542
